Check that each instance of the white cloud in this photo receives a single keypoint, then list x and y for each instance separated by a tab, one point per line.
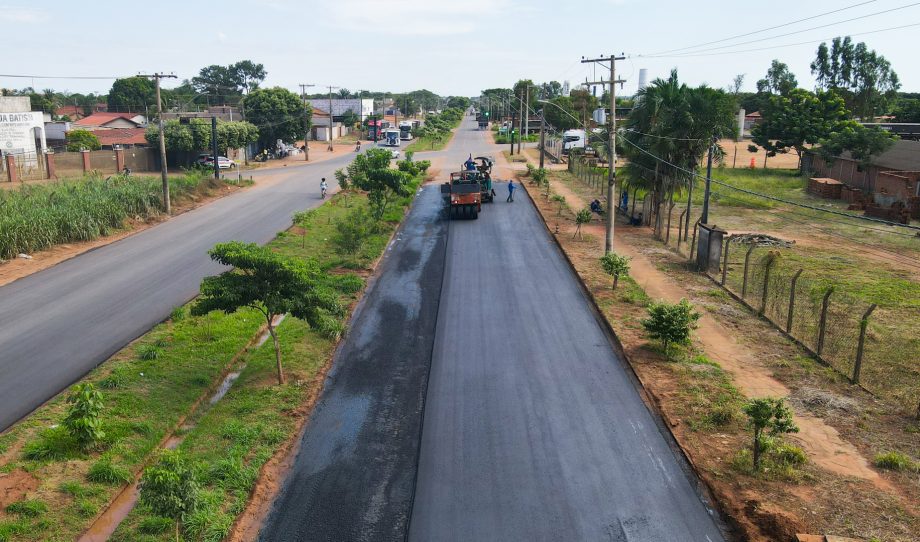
16	14
221	37
412	17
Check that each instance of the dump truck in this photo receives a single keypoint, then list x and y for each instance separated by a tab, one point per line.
463	194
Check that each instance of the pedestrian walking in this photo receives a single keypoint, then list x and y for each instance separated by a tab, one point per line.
511	189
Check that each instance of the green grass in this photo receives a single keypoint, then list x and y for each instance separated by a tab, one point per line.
895	461
37	217
231	440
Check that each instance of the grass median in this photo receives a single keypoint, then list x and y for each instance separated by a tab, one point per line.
160	386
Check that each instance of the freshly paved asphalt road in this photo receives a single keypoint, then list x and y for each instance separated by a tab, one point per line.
532	427
58	324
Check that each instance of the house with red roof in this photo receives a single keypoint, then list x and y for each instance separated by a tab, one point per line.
110	121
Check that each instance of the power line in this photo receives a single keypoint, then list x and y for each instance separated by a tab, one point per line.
797	31
765	29
64	76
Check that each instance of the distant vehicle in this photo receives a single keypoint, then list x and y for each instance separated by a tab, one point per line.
391	137
405	131
572	139
207	160
394	154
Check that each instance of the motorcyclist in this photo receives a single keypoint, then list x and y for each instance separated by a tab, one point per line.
358	146
323	187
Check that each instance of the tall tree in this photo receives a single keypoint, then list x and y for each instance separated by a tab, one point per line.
863	77
737	83
278	114
218	83
550	90
801	119
248	75
132	95
862	142
779	80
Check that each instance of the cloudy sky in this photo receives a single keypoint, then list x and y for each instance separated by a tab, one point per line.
447	46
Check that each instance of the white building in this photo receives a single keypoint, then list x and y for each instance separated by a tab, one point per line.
340	106
22	131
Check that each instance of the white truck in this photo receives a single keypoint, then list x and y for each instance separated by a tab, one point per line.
572	139
391	137
405	130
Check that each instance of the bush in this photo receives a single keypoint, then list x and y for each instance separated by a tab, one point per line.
788	454
83	416
27	508
615	266
351	231
671	324
106	472
169	487
342	178
87	508
148	352
178	314
539	176
768	418
77	140
722	415
893	461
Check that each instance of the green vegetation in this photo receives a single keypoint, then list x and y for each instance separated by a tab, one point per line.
505	139
273	285
106	472
671	323
773	417
28	508
279	113
169	489
616	266
78	140
196	135
37	217
895	461
83	421
435	132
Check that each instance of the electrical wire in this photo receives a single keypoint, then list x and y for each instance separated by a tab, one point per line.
692	54
790	23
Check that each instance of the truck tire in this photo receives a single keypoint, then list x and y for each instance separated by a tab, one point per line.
474	212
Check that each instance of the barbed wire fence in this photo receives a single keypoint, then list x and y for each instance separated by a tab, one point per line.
876	347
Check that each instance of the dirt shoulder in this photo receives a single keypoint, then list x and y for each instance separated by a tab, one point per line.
738	356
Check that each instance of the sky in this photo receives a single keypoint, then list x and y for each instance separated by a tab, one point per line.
451	47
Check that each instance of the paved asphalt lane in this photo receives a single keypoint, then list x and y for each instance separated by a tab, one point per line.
533	428
58	324
354	474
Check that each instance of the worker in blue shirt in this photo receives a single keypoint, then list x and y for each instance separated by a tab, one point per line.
511	189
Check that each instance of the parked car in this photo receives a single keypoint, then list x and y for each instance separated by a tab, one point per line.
207	160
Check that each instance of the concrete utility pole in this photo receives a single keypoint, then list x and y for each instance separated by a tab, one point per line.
611	166
542	136
330	149
214	150
163	173
705	217
306	124
523	116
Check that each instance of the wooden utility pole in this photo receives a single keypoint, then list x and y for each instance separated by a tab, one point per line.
163	173
306	124
612	140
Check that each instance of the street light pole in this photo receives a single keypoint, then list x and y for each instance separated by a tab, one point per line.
306	122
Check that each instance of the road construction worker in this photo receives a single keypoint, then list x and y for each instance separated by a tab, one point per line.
470	165
511	189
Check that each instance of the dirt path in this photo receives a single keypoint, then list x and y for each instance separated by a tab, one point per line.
822	442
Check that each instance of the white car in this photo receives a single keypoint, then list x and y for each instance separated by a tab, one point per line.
207	160
394	153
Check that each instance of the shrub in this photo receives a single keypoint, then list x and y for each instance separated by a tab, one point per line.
178	314
539	176
671	324
767	417
148	352
893	461
106	472
530	170
351	231
77	140
722	415
342	178
615	266
169	487
27	508
87	508
788	454
581	218
83	416
112	380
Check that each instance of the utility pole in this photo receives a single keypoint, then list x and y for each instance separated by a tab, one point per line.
511	132
330	149
705	218
542	136
306	123
214	147
163	173
523	116
611	166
